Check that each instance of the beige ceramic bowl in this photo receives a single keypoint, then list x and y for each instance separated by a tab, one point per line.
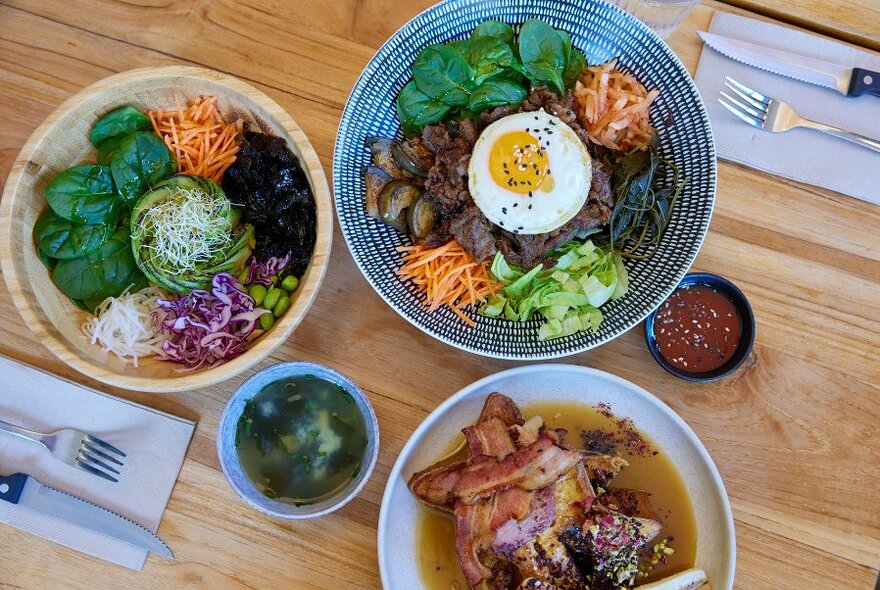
716	540
62	141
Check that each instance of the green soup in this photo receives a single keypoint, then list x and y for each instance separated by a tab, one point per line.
301	439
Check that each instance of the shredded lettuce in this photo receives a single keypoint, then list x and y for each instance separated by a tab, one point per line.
568	295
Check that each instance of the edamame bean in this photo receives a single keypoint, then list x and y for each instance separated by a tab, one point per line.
290	283
267	320
258	292
272	298
281	307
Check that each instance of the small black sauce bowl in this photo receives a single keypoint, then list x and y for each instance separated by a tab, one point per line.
747	332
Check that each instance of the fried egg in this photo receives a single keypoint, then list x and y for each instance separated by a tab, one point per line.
529	173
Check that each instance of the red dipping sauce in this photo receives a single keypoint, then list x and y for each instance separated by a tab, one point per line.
697	329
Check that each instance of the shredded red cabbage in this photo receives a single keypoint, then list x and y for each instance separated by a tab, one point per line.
205	329
261	273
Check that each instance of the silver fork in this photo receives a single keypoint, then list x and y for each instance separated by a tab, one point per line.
77	448
776	116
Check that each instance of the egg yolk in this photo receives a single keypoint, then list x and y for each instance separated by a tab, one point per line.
518	163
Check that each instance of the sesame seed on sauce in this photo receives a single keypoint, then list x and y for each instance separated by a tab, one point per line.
520	228
531	195
502	223
530	205
689	332
504	210
516	204
536	117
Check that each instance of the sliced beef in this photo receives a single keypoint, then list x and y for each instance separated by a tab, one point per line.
528	251
542	97
489	117
452	145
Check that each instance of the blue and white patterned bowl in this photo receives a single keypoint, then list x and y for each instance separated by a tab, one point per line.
602	32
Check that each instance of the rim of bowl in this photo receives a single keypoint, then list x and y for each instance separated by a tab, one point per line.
241	483
747	333
428	423
44	329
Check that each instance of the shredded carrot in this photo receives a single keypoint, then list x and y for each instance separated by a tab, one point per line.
613	107
447	276
201	141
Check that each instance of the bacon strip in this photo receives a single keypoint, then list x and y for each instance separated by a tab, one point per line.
512	503
502	407
531	468
489	439
515	532
527	433
434	485
472	537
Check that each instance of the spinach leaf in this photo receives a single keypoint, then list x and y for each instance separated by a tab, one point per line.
576	64
566	42
121	121
496	92
140	161
443	74
47	260
106	272
542	51
494	28
63	239
414	108
488	56
108	147
83	194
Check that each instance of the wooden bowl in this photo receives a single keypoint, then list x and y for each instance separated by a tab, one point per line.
62	141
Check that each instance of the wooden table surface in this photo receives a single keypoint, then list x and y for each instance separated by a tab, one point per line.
795	435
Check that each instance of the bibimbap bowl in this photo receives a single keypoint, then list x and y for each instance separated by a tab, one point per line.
603	33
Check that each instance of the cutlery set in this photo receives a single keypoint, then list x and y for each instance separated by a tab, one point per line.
776	116
93	455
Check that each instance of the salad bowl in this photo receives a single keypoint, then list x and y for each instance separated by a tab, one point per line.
58	144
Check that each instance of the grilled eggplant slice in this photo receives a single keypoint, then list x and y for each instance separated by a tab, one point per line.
375	180
406	160
394	200
421	217
380	148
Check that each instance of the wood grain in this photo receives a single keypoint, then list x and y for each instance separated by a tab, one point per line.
856	21
794	435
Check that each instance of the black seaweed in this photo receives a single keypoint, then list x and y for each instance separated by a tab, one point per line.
268	180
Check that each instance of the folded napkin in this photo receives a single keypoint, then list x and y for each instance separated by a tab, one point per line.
800	154
155	444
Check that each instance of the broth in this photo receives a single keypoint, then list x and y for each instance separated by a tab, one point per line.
301	439
655	473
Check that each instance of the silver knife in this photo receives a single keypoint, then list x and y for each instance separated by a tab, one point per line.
847	81
26	491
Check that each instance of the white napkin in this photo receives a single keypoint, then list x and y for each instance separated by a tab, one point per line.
800	154
155	444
